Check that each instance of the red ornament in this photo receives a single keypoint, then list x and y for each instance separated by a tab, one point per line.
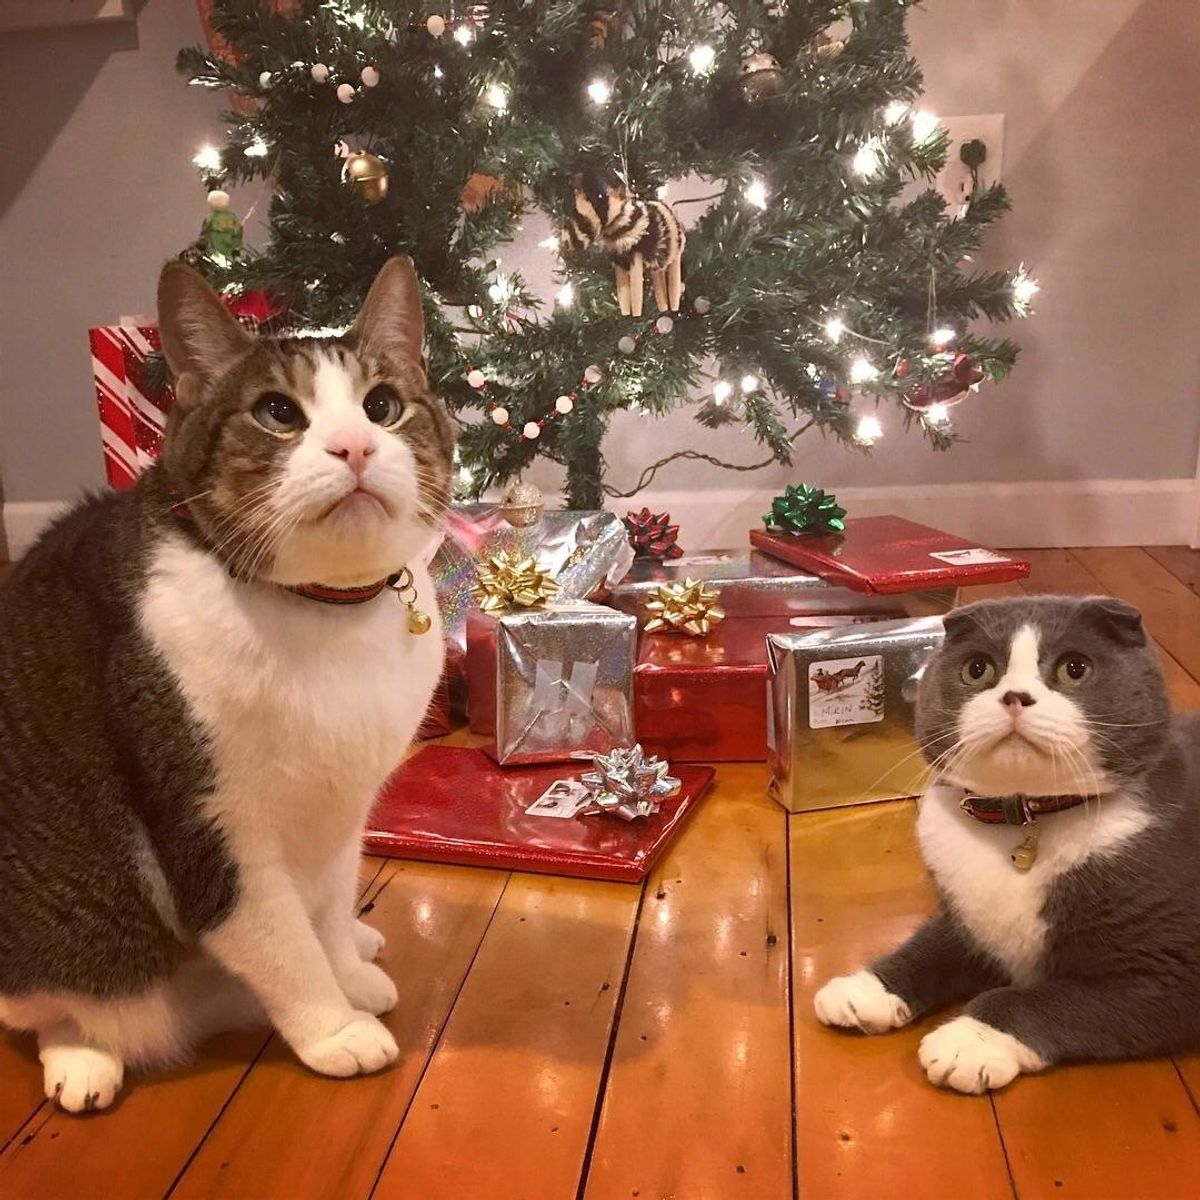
652	535
950	387
254	308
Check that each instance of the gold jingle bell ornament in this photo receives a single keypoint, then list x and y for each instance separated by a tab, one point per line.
368	176
523	505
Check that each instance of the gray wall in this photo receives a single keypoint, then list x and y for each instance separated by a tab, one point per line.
1100	98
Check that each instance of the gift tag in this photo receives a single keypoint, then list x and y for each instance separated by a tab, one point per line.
702	560
845	691
974	556
563	798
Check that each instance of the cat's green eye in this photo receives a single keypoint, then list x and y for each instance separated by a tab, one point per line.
278	413
1072	669
382	405
979	671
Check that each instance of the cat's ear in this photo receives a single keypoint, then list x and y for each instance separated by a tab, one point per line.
961	621
1121	621
391	322
200	337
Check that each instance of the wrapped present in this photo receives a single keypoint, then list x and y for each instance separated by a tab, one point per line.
547	683
585	552
890	556
840	712
704	699
133	412
753	584
458	806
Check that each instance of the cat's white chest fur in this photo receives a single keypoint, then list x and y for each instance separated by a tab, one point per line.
307	706
1001	906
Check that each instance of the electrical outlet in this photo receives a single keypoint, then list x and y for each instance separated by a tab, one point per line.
954	180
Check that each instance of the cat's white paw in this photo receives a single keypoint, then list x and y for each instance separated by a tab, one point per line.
356	1049
369	988
81	1078
969	1056
860	1001
367	941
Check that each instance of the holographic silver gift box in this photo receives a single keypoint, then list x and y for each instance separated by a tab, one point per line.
840	712
753	584
546	684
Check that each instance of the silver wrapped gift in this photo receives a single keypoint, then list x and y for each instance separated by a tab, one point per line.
753	584
840	712
547	684
586	552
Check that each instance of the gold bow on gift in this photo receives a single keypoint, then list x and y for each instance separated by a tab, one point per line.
506	581
689	607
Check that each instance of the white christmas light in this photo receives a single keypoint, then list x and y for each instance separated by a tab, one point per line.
702	59
565	296
257	149
722	390
869	430
924	125
834	328
894	113
1024	288
438	73
474	312
937	414
207	158
550	243
869	158
463	35
756	193
563	405
599	92
500	415
497	292
749	384
466	477
531	430
941	337
497	97
862	370
264	80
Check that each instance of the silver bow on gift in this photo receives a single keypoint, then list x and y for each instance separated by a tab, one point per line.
627	784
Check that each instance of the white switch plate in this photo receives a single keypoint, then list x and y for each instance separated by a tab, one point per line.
954	180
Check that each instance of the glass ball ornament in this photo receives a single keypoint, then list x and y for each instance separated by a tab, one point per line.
319	73
563	405
476	378
523	505
367	175
500	415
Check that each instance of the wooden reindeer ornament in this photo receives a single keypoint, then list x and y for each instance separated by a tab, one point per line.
637	234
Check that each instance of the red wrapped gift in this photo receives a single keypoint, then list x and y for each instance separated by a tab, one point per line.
884	556
458	806
704	699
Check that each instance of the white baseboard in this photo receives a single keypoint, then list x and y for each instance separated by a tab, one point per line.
1090	512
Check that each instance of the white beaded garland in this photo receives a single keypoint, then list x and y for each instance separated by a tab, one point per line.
702	305
593	374
264	80
531	430
500	415
664	324
563	405
476	378
627	345
345	92
436	25
319	72
369	76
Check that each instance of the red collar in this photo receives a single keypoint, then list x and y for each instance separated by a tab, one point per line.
310	591
1017	810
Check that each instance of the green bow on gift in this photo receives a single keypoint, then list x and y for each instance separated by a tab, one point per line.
805	509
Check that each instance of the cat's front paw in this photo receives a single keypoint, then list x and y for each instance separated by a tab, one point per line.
969	1056
368	988
359	1048
367	941
81	1078
860	1001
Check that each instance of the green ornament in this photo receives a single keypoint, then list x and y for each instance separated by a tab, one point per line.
805	509
221	233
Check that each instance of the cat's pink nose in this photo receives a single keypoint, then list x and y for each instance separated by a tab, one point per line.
1015	700
355	448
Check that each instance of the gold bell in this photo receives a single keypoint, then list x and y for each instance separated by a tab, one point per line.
367	175
1024	854
419	622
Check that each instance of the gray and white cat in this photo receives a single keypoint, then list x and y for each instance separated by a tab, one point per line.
1075	936
203	683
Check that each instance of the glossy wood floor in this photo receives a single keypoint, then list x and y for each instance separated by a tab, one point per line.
586	1041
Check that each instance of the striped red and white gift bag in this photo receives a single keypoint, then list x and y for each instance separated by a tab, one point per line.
132	416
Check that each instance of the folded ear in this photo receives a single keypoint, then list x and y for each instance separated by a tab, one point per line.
390	321
960	621
1121	621
200	338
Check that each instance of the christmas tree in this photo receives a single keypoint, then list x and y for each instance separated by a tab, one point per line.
820	274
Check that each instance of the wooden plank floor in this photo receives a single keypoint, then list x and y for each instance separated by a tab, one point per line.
565	1040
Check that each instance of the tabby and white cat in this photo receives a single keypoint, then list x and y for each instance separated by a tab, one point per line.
203	683
1062	829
